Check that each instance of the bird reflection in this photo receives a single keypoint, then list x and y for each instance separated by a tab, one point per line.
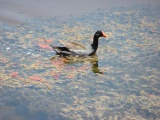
73	60
95	68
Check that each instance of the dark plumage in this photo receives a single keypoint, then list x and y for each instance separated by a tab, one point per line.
71	48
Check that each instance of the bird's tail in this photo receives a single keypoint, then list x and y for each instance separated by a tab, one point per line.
61	50
56	48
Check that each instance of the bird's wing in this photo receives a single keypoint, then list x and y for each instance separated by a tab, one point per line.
72	45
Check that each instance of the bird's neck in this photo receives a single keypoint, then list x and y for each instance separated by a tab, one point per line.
95	43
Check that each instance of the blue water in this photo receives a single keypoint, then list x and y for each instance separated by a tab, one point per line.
120	82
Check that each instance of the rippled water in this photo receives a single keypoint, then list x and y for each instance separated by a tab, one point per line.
122	81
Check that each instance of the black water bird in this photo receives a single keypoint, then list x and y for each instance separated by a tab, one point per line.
75	49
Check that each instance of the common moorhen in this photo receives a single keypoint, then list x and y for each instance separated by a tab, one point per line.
71	48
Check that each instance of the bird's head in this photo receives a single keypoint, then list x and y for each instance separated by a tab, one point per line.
100	33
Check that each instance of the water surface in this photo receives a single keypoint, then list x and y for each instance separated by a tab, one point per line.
120	82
